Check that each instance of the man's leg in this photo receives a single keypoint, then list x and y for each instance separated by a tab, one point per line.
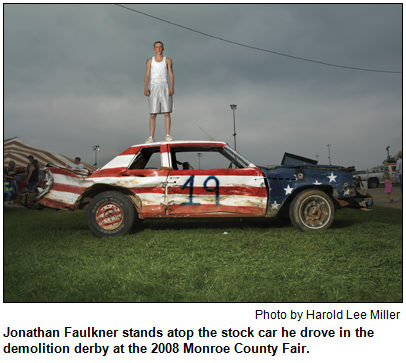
152	123
167	122
168	126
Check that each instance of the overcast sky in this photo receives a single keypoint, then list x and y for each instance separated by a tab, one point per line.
74	78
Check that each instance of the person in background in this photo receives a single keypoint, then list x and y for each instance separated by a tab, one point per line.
78	164
10	175
399	171
32	179
388	185
30	159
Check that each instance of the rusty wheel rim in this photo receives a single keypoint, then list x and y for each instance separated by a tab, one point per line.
109	216
315	212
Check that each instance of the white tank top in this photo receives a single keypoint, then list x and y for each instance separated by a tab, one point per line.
159	72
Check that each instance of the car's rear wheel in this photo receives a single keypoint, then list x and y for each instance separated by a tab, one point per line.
312	209
110	213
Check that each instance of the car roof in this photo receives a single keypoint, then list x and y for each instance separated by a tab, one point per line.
183	142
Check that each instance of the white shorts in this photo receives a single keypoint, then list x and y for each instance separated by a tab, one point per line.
159	99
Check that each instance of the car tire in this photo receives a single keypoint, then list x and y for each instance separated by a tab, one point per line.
373	183
312	210
110	213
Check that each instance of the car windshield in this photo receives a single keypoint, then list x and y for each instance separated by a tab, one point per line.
232	154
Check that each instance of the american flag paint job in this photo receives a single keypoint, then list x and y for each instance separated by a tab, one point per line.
247	191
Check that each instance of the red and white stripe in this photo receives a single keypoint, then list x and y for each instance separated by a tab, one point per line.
241	191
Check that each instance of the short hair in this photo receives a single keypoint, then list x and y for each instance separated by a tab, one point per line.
77	158
400	154
159	42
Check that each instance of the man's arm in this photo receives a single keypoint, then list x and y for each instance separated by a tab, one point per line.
171	76
146	79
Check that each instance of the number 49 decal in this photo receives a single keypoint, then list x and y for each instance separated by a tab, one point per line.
215	189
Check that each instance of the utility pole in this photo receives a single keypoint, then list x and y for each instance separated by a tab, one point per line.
199	155
95	148
329	160
234	107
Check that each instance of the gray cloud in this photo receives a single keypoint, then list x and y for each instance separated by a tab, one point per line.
74	77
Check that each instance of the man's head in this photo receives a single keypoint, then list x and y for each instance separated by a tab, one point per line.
158	47
30	158
77	160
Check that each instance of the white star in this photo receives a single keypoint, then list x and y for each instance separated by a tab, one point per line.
317	183
275	205
347	191
332	177
288	190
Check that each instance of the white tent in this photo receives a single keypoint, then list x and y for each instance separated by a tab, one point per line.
17	150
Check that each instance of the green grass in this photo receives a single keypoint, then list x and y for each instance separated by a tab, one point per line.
52	256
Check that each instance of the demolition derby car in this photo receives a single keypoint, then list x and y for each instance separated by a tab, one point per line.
198	179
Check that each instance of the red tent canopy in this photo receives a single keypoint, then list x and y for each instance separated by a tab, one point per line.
17	150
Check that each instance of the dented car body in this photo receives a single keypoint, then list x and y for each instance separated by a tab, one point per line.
150	181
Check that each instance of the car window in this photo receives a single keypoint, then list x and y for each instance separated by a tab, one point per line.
148	158
201	157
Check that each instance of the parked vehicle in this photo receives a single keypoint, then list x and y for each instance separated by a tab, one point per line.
157	181
372	176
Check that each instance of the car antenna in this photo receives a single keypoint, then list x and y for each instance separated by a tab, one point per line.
206	133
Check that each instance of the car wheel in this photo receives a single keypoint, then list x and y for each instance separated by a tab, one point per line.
373	183
110	213
312	209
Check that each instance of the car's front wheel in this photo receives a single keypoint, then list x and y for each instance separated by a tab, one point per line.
110	213
373	183
312	209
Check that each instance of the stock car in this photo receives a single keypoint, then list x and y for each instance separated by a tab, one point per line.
158	180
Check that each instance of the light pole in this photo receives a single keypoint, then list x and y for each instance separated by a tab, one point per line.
234	107
95	148
317	158
329	160
199	155
387	149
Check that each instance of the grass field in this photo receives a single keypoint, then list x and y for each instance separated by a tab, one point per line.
52	256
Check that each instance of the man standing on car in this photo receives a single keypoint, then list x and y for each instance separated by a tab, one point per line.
160	95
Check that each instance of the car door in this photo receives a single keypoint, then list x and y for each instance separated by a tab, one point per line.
216	192
146	177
